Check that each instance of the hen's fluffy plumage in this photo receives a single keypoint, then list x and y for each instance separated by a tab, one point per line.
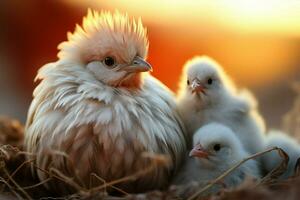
204	169
103	118
201	101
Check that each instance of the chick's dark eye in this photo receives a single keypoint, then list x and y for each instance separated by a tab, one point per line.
217	147
109	61
187	82
209	81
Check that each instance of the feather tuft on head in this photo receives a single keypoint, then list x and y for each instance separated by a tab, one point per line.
102	33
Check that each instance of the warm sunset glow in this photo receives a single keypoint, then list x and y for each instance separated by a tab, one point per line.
248	37
277	16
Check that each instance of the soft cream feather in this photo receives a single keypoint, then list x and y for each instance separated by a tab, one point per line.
101	125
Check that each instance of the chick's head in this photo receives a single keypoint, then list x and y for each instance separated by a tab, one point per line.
205	79
216	145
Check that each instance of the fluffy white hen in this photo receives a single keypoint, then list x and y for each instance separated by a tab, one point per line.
288	144
207	94
215	150
95	106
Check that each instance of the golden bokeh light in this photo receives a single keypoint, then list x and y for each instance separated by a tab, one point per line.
251	38
276	16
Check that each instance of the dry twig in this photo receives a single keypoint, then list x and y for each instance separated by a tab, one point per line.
229	171
272	176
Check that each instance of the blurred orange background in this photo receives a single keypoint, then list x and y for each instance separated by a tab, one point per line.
257	42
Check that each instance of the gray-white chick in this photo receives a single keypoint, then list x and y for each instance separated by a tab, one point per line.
215	150
96	110
288	144
207	95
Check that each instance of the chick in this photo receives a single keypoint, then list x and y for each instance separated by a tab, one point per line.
215	150
96	112
286	143
207	94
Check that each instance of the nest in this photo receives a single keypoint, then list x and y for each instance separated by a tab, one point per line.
16	181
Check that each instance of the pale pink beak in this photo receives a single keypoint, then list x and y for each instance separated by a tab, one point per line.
197	87
199	152
138	65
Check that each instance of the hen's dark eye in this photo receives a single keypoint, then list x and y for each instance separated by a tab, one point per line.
109	61
217	147
209	81
188	82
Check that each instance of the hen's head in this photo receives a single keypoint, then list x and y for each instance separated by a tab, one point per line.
113	47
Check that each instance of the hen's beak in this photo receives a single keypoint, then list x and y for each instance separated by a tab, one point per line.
199	152
197	86
138	65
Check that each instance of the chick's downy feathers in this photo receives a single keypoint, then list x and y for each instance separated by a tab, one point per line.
290	145
95	113
215	150
207	94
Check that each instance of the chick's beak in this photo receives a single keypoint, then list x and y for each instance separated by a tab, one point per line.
199	152
197	87
138	65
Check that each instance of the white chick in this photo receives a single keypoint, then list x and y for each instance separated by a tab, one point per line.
273	159
94	105
207	94
215	150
